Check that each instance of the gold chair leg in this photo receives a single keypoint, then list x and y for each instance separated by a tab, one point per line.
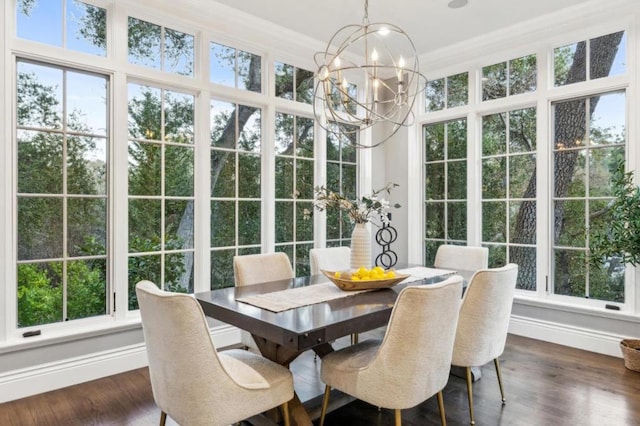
398	417
163	418
325	404
285	413
443	418
496	362
470	393
354	339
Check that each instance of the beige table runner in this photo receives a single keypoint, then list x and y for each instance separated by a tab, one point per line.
292	298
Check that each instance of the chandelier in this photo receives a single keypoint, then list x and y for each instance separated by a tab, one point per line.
382	58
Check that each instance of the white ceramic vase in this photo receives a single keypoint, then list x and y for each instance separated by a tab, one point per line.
360	246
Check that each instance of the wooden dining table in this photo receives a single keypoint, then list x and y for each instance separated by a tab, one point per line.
283	336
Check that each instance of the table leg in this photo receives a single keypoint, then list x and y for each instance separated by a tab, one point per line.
276	353
283	356
298	414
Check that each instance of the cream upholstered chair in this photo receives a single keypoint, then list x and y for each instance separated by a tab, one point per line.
412	362
449	256
191	381
330	259
258	268
483	323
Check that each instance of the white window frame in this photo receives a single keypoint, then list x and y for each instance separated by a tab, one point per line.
541	99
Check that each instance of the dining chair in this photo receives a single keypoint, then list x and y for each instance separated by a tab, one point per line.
484	319
258	268
329	259
193	383
413	360
449	256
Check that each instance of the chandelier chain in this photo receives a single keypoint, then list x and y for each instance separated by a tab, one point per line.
365	19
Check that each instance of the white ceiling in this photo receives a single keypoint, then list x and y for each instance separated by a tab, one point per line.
431	24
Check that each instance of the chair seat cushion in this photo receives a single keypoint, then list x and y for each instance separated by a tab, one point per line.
351	357
253	371
340	367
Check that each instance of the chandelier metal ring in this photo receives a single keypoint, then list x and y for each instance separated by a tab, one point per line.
382	60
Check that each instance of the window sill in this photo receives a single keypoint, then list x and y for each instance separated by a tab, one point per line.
55	336
577	309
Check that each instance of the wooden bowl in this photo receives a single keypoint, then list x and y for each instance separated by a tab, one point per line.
349	285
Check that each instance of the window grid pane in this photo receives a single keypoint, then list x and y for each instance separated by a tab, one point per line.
160	48
341	178
236	204
445	150
161	189
62	195
294	188
509	192
587	148
293	83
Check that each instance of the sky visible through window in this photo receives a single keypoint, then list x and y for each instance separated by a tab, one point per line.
44	24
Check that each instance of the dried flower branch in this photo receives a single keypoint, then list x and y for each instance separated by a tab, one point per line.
358	210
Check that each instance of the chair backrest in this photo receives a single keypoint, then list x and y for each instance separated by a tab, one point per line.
414	358
484	316
329	259
466	258
258	268
187	377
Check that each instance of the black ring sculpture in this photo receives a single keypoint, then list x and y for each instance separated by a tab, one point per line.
386	235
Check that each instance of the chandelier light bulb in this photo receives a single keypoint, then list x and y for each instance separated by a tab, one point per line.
323	73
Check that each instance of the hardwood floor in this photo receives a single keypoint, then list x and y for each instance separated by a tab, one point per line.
545	384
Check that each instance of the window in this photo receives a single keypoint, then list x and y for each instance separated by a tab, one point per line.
161	180
294	151
509	191
160	48
293	83
448	92
236	205
62	194
445	186
341	178
64	23
509	78
588	142
235	68
591	59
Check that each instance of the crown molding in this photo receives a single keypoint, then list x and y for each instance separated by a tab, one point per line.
552	29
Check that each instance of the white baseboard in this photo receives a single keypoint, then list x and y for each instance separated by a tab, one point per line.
47	377
562	334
